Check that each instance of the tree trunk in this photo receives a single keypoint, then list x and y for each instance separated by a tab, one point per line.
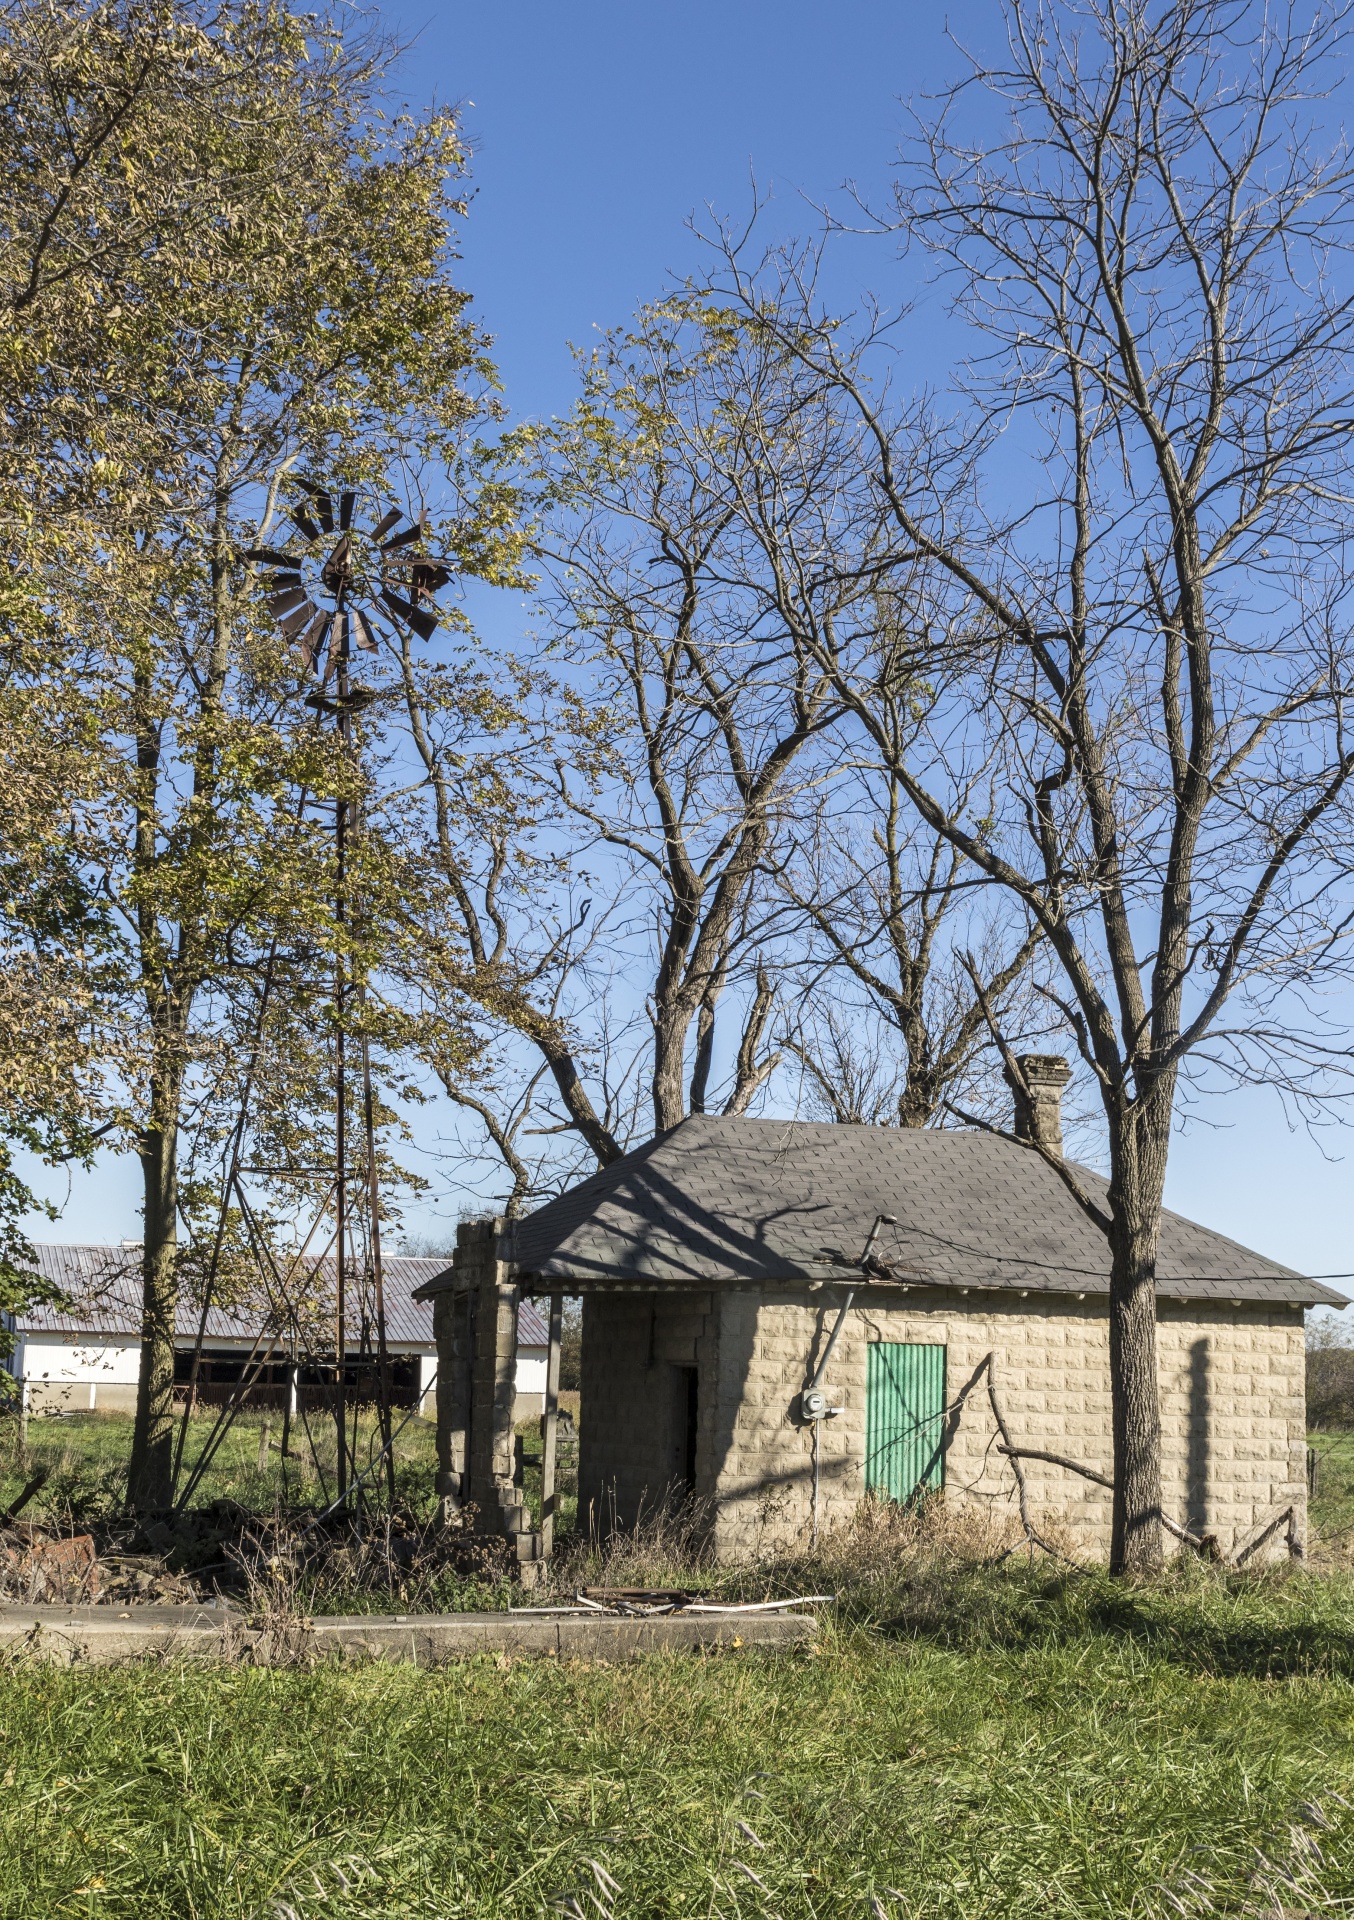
168	969
149	1474
921	1094
671	1025
1137	1183
1135	1538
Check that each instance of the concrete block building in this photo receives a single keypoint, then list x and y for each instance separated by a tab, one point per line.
741	1345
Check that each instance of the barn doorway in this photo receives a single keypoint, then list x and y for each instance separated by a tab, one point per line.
904	1419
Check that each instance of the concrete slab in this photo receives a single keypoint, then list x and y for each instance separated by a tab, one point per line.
102	1636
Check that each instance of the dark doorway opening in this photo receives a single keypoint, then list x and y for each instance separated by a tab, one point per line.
688	1407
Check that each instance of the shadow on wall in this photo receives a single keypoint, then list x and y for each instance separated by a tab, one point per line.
663	1377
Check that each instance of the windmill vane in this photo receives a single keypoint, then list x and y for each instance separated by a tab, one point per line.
335	629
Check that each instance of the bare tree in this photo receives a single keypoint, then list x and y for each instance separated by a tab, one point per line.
672	738
894	910
679	622
505	930
1127	564
503	1122
704	531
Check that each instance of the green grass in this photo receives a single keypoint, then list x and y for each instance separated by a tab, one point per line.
1332	1509
962	1744
87	1455
1079	1772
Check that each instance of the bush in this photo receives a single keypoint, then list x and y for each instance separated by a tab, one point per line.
1330	1383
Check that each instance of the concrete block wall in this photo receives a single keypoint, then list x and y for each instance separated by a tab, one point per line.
1232	1402
635	1350
452	1330
1234	1410
1232	1399
494	1368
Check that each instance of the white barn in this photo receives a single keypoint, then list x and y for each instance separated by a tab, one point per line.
85	1356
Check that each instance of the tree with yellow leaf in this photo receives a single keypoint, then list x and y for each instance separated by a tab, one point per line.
280	303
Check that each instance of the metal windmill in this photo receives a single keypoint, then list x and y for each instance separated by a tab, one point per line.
316	599
328	600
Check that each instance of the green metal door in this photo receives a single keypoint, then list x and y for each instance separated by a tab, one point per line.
904	1418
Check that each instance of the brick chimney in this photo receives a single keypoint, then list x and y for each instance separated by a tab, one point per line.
1039	1114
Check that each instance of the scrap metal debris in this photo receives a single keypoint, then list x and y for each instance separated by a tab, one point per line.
647	1603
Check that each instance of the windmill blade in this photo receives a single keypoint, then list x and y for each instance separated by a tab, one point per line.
386	523
332	657
324	504
403	539
430	579
271	554
303	520
313	638
347	501
363	631
283	602
423	623
281	580
294	622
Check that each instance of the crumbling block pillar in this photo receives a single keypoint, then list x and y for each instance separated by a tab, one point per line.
480	1255
454	1331
475	1323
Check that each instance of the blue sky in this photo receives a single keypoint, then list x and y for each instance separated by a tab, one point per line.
599	128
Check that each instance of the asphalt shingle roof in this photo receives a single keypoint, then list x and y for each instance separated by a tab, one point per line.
737	1201
104	1286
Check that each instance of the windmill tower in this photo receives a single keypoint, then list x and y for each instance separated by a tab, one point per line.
330	595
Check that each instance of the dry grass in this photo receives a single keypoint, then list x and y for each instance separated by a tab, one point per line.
285	1569
865	1561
